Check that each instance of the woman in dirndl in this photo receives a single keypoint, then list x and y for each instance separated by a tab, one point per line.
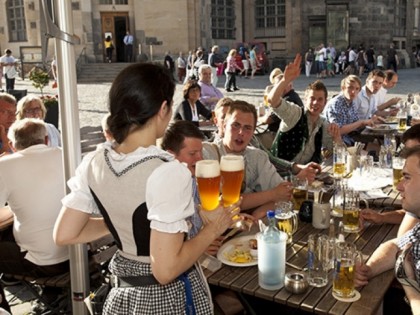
144	198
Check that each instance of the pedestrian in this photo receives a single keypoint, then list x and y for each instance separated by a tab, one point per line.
309	59
392	58
9	69
128	42
109	47
182	67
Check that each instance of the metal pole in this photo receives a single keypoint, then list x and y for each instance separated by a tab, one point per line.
69	115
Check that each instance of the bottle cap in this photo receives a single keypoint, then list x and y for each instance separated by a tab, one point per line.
270	214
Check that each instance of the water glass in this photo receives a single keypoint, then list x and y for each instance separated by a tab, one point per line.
320	254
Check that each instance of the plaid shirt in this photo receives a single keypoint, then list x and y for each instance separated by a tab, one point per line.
412	236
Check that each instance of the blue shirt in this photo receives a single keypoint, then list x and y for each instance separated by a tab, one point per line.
342	112
128	39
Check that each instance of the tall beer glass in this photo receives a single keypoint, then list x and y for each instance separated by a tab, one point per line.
232	173
397	167
207	173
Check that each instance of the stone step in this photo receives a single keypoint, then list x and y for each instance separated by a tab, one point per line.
100	72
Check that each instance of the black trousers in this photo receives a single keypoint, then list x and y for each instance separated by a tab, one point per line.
12	260
128	53
10	83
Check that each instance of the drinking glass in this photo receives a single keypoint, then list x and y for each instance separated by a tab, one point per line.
286	219
397	167
344	267
319	259
232	176
351	210
207	173
339	160
300	192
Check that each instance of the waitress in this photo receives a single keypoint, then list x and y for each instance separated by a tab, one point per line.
191	108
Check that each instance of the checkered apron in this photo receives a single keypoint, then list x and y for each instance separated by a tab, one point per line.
154	299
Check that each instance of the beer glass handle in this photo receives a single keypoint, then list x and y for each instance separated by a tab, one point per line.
295	221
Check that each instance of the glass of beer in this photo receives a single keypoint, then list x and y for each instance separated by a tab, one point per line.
300	192
351	210
232	176
286	219
339	160
207	173
343	279
397	167
402	122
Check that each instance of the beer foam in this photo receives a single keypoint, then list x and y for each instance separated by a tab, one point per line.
232	163
207	169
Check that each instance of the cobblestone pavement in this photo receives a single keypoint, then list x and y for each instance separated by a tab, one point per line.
93	97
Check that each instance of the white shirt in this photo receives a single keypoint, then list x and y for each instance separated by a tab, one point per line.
365	105
9	69
380	96
32	183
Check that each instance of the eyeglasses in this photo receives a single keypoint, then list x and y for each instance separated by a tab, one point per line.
33	110
8	112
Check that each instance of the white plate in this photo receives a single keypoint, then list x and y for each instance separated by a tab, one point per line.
381	127
230	246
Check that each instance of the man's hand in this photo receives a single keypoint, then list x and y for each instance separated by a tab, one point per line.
283	191
214	246
308	171
371	216
334	131
361	275
292	70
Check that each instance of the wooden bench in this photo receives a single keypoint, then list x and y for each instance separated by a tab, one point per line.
100	252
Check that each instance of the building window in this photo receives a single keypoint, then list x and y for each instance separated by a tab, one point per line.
222	19
400	18
113	1
16	20
270	18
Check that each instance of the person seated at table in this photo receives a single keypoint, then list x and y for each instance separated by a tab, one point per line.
31	106
131	180
210	94
365	102
282	166
191	108
342	111
410	138
263	185
7	118
384	258
390	81
303	131
289	94
32	183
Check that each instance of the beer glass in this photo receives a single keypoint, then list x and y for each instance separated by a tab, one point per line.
286	219
207	173
300	192
339	160
232	176
321	215
397	167
320	254
351	210
402	120
346	257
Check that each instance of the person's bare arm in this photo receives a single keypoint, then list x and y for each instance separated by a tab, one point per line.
283	191
389	103
391	217
407	224
345	129
5	213
75	227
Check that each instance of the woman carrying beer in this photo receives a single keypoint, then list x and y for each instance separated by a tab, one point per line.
145	198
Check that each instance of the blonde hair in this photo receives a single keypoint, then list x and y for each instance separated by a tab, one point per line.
276	72
25	101
351	78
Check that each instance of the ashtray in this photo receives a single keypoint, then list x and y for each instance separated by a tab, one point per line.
296	282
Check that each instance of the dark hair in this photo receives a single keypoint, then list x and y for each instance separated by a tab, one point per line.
177	132
389	74
136	95
318	85
376	72
412	133
407	152
243	107
191	84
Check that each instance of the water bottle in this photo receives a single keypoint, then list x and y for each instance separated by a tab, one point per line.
271	255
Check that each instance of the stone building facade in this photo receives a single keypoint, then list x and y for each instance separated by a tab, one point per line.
285	27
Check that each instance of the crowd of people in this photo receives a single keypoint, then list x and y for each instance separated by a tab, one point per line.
146	195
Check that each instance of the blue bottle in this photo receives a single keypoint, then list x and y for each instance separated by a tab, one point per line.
271	255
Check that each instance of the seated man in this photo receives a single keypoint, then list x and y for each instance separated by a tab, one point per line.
210	94
365	102
32	183
263	185
342	110
282	166
410	138
7	118
384	258
303	131
390	81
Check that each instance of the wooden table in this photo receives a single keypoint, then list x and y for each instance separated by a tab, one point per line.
315	300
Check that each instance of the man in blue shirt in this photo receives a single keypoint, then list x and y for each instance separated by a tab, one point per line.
128	42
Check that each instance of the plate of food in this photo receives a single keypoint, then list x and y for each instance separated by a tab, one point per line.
380	127
391	120
239	252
